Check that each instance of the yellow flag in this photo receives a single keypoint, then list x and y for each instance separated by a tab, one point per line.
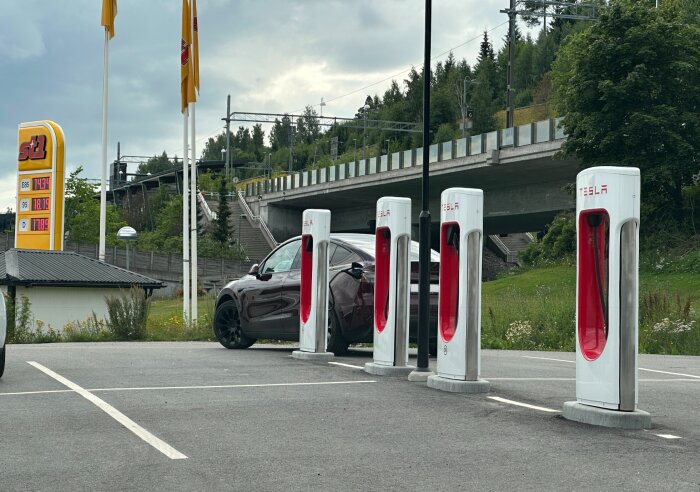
109	12
195	44
186	71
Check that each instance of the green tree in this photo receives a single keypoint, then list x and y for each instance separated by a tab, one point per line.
167	233
222	232
483	106
155	164
82	212
629	90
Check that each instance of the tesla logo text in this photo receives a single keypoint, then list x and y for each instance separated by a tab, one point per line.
308	222
446	207
34	149
594	190
383	213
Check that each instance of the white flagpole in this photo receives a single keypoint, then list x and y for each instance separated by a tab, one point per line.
193	220
185	228
103	186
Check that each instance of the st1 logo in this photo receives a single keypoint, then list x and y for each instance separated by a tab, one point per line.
35	149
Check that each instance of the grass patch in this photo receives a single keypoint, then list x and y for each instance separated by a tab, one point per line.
165	321
534	309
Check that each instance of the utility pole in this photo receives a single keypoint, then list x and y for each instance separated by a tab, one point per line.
511	55
228	143
579	13
290	137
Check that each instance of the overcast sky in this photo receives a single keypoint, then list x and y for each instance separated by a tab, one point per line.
272	56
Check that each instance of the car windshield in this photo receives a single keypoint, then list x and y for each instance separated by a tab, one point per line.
365	242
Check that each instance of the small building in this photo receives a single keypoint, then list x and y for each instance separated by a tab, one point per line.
64	287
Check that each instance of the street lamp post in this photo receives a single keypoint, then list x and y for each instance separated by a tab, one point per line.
464	104
364	145
422	370
127	234
388	141
355	140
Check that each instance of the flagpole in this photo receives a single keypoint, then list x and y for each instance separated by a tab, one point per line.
103	185
193	219
185	228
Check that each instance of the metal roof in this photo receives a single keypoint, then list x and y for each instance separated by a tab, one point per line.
65	268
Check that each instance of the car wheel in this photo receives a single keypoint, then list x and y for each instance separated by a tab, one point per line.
227	327
336	343
2	360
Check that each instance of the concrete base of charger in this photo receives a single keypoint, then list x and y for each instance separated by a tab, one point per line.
578	412
420	376
382	370
317	356
457	386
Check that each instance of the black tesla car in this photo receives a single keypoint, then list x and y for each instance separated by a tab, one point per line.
265	303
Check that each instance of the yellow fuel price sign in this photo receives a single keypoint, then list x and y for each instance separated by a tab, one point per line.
40	186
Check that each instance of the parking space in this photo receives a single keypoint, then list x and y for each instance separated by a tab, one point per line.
259	419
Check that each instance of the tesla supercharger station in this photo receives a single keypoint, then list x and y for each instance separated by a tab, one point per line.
313	298
459	304
392	280
607	292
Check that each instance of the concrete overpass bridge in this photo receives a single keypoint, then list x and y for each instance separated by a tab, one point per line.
518	169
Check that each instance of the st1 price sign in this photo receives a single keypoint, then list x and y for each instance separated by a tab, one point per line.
40	186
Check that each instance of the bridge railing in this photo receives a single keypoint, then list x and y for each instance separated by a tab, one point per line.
519	136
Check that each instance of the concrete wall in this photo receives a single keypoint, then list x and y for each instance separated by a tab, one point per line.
58	306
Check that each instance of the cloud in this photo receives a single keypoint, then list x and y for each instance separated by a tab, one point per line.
271	55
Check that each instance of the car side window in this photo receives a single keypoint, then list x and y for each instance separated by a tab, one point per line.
282	259
296	264
342	256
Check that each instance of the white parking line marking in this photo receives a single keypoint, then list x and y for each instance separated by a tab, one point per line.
642	380
671	373
529	379
670	380
520	404
669	436
549	358
36	392
346	365
149	438
641	368
222	386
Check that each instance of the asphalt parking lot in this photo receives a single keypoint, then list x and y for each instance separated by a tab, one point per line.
195	416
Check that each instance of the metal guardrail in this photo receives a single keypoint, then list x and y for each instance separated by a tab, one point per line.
208	213
253	219
510	257
486	143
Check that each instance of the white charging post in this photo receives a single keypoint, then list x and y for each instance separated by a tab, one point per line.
607	293
459	305
313	298
392	280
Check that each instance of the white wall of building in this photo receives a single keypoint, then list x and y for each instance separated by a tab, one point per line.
58	306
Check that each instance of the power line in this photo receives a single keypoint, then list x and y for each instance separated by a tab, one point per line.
408	69
471	40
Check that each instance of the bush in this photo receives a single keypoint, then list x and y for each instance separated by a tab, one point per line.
668	324
19	320
90	330
128	313
557	244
